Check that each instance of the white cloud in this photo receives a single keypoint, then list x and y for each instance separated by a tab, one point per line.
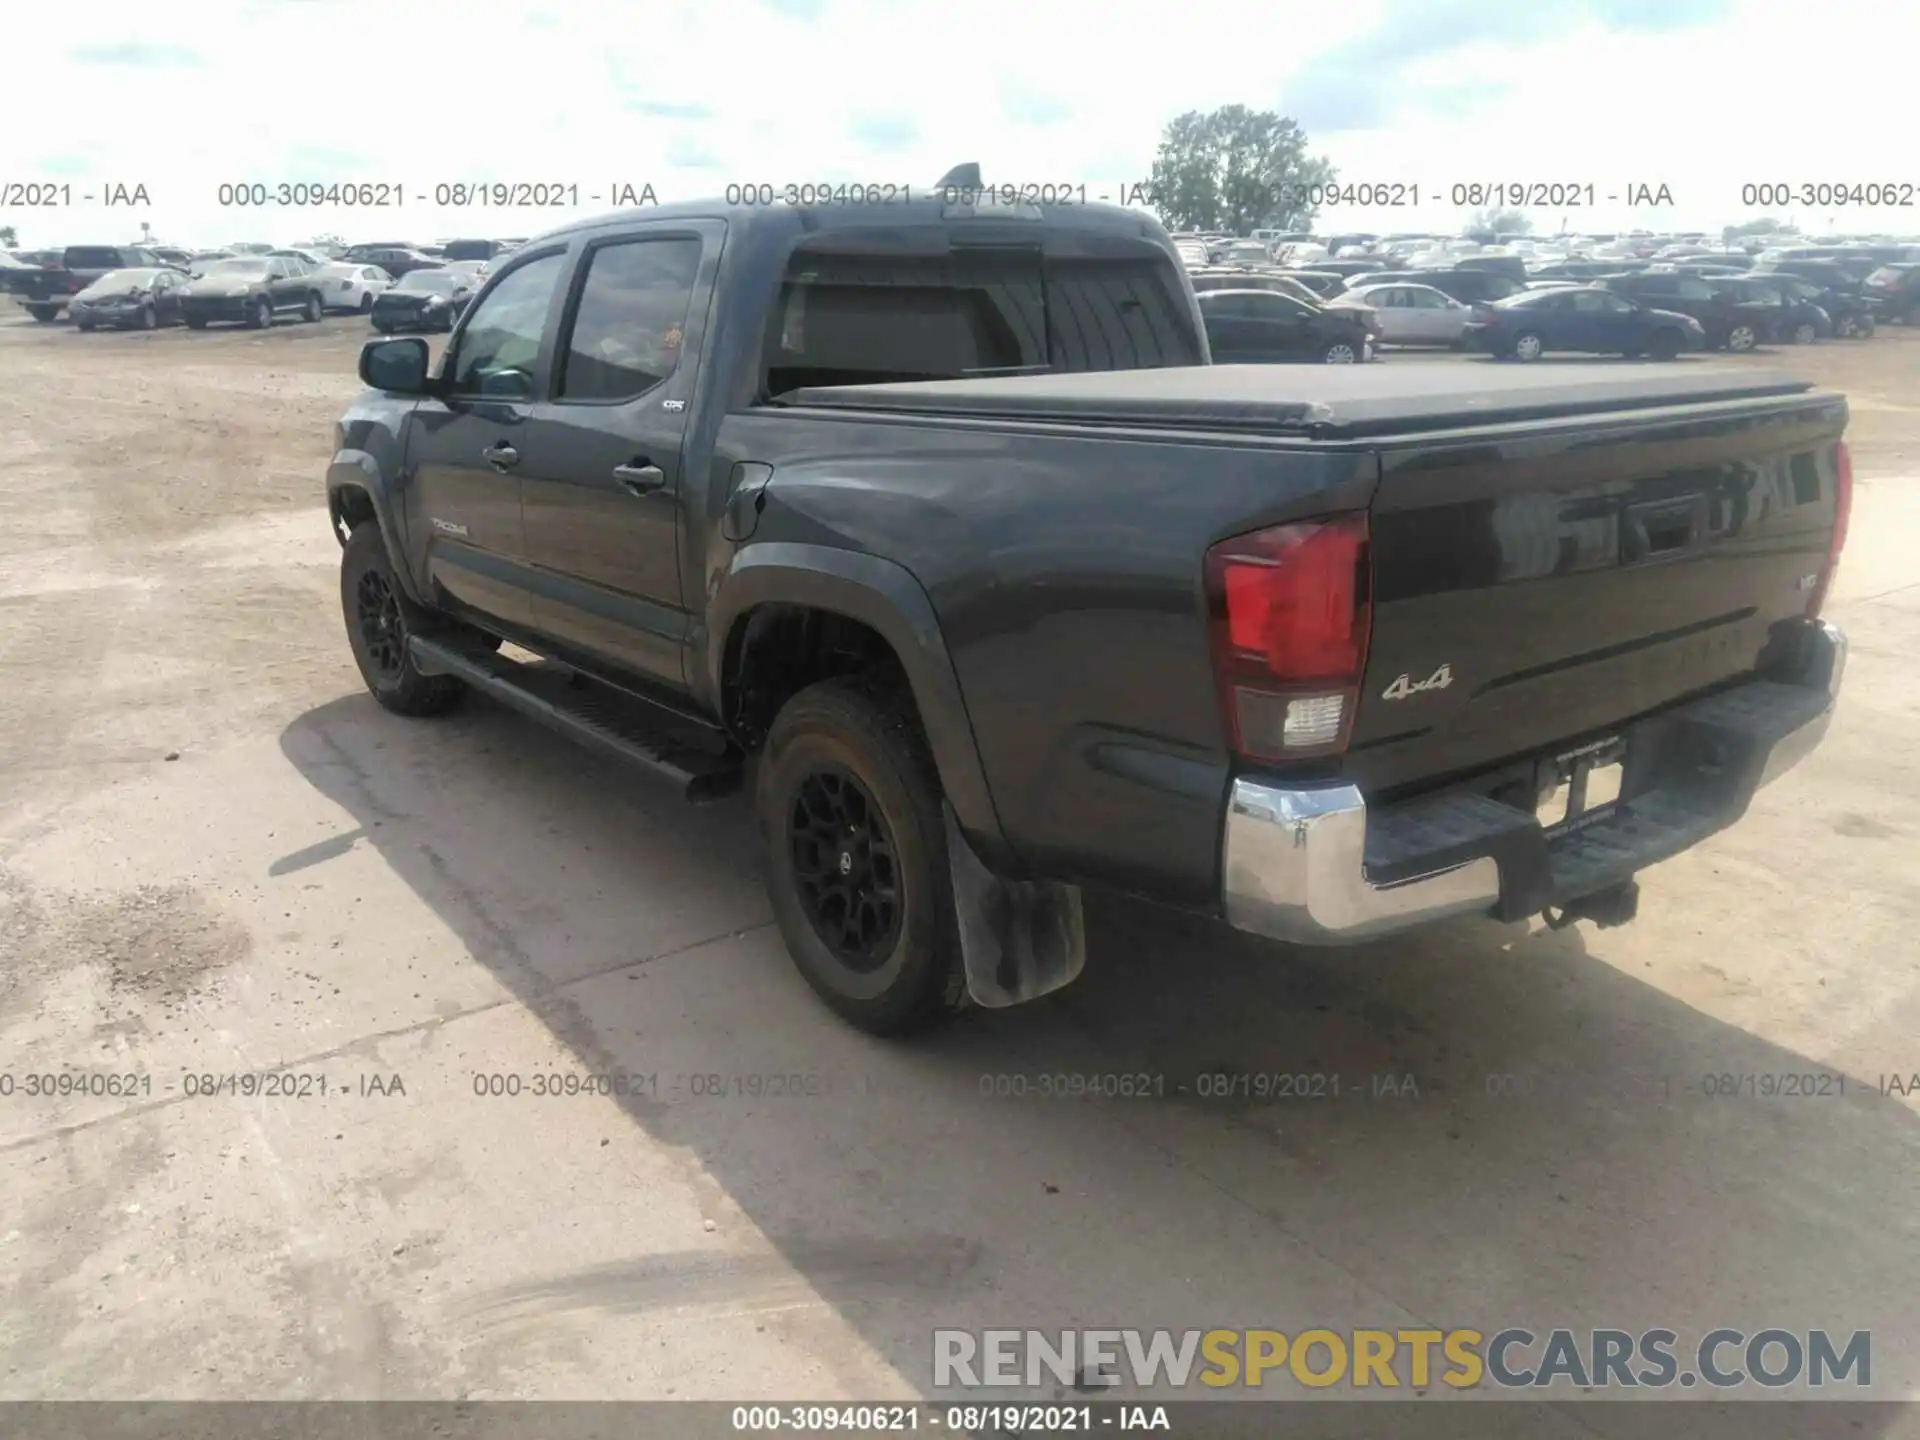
690	96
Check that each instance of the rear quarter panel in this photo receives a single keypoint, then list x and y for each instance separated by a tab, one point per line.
1064	565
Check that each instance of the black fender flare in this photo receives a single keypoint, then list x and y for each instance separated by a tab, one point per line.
357	470
886	597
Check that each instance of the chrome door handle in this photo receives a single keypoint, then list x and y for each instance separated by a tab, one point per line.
500	455
639	479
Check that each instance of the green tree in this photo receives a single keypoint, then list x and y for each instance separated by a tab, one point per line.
8	239
1501	221
1236	170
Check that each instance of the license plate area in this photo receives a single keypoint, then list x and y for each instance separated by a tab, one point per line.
1581	786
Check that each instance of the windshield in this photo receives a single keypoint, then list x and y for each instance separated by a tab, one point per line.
432	282
116	279
239	266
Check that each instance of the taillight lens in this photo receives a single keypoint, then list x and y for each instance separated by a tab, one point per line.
1291	616
1842	512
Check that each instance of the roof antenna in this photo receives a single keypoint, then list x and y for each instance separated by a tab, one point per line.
960	177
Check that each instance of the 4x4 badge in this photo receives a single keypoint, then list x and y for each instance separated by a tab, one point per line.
1403	687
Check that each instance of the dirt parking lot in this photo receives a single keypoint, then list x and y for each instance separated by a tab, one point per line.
218	857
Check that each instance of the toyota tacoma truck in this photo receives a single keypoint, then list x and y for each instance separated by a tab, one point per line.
931	525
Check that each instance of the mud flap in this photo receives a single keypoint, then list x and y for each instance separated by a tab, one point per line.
1019	939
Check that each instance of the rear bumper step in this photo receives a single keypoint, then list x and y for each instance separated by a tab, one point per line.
588	713
1313	867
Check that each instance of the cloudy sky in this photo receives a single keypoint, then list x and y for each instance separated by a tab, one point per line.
1700	95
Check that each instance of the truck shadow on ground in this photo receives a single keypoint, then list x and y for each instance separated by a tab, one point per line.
1473	1126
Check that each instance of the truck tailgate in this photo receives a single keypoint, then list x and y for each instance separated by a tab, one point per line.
1537	585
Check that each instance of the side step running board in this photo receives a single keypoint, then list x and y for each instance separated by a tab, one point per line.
586	712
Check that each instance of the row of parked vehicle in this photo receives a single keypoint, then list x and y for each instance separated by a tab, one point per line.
398	287
1676	299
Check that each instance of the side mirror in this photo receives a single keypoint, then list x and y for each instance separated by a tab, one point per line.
396	366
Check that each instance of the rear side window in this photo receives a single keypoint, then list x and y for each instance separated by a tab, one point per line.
92	257
627	328
847	318
470	250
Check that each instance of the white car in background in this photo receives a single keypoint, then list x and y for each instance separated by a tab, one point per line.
1410	314
345	286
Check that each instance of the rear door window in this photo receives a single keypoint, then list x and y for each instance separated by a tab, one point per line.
848	316
92	257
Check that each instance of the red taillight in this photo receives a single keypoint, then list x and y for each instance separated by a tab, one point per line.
1842	511
1291	616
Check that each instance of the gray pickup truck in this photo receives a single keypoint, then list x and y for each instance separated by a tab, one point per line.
932	524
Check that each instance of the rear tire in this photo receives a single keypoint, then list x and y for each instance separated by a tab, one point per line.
366	302
261	315
316	308
1804	333
379	618
195	322
1742	338
84	326
855	838
149	318
1528	347
1665	344
45	314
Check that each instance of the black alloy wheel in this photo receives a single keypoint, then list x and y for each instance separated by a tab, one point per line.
382	628
845	868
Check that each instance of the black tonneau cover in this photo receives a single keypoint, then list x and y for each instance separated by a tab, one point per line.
1318	401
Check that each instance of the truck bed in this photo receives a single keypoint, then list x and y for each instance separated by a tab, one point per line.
1320	402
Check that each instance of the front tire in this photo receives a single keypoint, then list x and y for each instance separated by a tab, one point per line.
366	302
854	830
196	322
379	618
1742	338
44	314
149	318
1665	345
316	308
1804	333
261	316
83	326
1340	353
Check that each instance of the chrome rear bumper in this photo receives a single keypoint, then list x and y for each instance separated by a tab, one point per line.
1294	862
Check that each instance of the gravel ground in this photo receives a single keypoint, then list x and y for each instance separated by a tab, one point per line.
218	857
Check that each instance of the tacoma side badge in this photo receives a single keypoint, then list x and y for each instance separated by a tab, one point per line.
1401	688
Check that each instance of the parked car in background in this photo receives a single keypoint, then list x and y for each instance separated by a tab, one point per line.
1225	277
396	260
344	286
142	299
1469	287
1798	322
1583	318
1247	252
173	255
1894	293
250	247
1258	327
1589	269
1732	322
423	300
1324	283
47	290
312	259
252	290
1409	314
471	250
474	270
1849	310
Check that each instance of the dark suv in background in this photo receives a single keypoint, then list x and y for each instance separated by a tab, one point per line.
1894	292
1731	321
